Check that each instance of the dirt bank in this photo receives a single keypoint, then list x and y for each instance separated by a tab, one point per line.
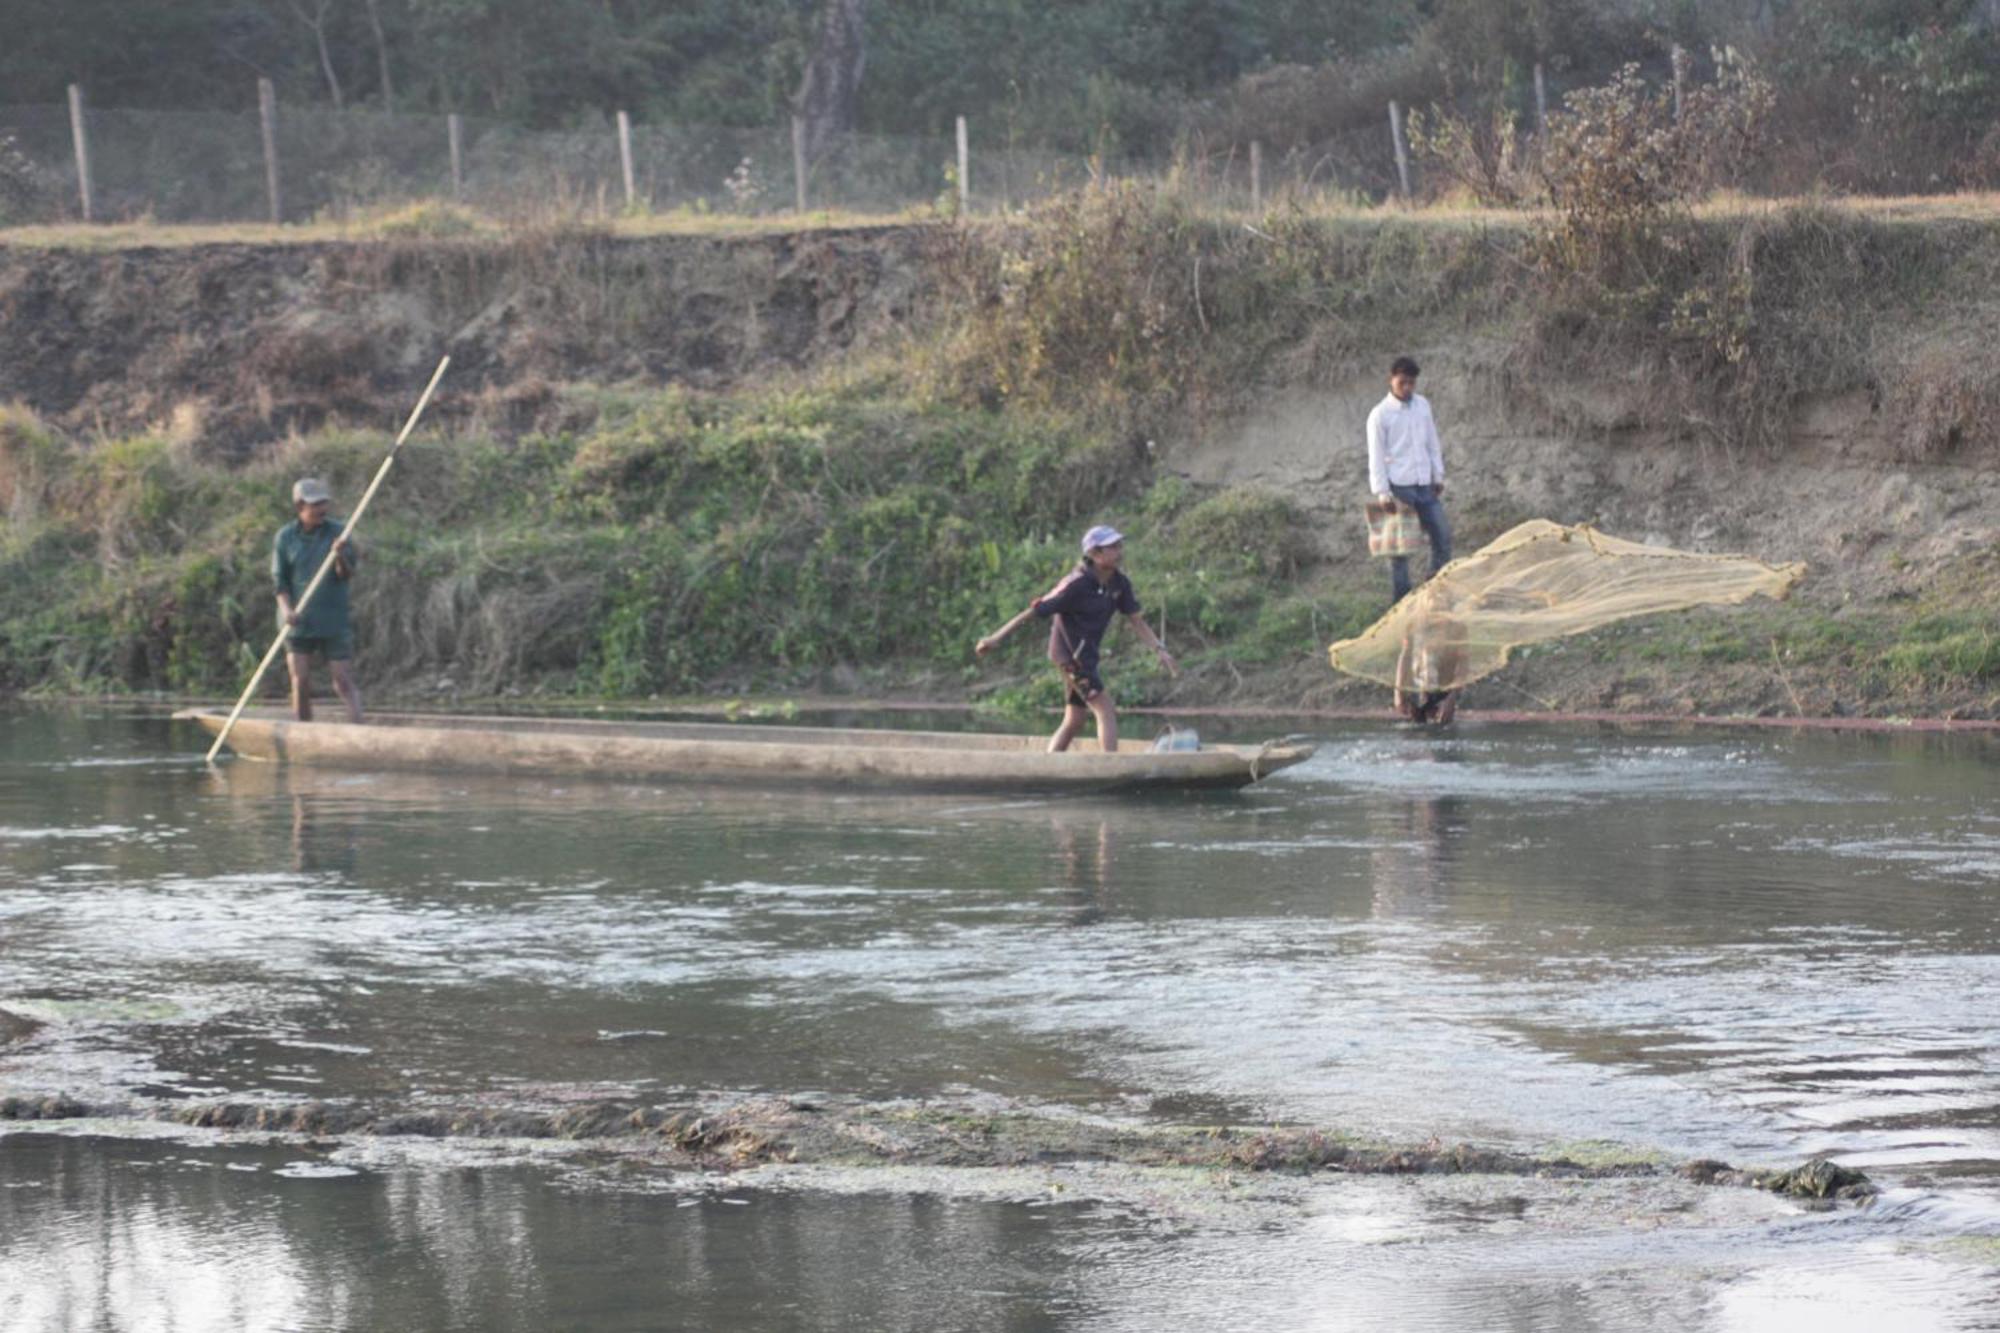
1882	532
231	346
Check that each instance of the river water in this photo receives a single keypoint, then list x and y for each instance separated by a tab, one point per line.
1757	947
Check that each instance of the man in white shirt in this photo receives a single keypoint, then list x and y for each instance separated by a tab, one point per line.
1406	462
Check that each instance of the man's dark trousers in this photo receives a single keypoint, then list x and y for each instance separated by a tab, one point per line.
1430	513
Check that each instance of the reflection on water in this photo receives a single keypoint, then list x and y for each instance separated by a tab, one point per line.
317	850
132	1234
1411	843
1753	948
118	1234
1088	862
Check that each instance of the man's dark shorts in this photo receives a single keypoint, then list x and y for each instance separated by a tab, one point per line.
1080	687
333	647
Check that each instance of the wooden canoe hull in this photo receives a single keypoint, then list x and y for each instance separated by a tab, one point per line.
738	753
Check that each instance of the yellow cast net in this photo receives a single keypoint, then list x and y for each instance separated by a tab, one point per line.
1536	582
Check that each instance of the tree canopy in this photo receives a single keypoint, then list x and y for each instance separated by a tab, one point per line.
1136	71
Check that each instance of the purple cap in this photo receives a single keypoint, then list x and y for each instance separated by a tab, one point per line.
1101	535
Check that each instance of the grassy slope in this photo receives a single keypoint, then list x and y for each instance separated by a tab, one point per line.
859	528
766	542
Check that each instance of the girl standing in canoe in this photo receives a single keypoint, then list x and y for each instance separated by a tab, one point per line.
1079	610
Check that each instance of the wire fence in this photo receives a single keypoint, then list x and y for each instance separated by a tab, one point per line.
75	162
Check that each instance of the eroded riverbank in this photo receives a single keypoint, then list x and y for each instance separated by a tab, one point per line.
886	438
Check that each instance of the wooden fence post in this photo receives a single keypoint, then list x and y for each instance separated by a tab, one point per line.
1256	176
76	132
1680	61
799	163
454	130
964	171
1541	101
625	158
1402	149
267	111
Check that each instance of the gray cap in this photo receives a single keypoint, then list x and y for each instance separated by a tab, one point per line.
1101	535
309	490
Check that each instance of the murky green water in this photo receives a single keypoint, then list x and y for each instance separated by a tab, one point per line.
1752	947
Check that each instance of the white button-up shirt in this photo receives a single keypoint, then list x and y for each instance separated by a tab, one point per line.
1403	445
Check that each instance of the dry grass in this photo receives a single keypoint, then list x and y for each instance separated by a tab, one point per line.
1450	212
146	235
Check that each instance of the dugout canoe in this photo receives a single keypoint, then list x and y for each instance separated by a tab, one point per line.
750	753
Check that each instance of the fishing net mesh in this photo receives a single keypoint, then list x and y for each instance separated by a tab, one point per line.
1536	582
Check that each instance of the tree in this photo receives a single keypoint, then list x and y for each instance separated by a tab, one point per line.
831	89
315	21
382	57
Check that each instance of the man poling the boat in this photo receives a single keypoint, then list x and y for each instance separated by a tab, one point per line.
294	603
321	627
1079	610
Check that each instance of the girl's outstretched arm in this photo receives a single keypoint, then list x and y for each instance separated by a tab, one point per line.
994	640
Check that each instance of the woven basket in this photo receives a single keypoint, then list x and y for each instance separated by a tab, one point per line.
1394	529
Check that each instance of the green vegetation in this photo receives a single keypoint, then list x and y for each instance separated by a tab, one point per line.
765	542
1957	645
678	542
1895	95
1946	639
859	524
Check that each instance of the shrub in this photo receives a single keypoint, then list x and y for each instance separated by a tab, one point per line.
431	219
1070	302
28	192
1266	533
30	455
1620	166
1486	157
1123	308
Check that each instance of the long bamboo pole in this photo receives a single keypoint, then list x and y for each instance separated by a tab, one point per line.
353	521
